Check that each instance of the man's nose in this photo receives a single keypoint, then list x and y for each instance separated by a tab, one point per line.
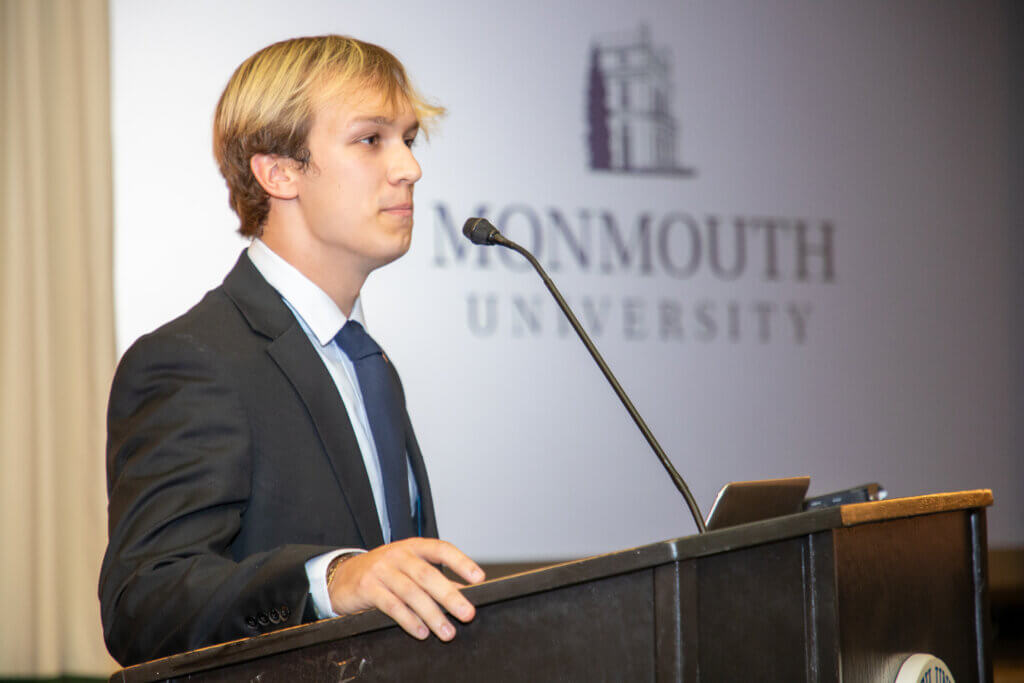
404	167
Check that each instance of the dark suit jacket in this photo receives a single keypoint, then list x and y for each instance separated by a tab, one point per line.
230	462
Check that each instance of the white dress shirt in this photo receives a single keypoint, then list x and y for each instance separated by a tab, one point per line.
321	319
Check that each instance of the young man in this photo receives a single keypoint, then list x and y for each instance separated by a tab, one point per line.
262	469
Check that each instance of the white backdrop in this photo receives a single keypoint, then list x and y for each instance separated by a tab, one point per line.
881	127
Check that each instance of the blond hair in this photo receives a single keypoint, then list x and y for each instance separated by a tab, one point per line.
271	100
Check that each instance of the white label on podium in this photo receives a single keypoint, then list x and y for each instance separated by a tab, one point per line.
924	668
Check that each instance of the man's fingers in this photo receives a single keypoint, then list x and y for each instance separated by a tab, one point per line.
387	602
421	600
440	589
443	552
400	580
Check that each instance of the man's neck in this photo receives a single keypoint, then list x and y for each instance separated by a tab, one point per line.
340	281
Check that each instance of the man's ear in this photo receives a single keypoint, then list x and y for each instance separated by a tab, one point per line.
276	174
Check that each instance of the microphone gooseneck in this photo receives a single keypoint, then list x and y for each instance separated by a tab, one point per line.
481	231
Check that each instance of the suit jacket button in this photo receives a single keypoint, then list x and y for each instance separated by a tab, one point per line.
264	619
250	622
285	612
275	616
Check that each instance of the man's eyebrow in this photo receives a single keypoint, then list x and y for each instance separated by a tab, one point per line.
382	121
379	120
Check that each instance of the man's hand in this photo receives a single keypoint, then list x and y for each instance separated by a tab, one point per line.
399	580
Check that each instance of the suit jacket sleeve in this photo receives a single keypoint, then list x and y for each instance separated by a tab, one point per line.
179	464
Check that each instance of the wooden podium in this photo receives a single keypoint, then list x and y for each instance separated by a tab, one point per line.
836	594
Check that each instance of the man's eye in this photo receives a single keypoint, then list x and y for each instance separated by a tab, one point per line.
371	139
410	142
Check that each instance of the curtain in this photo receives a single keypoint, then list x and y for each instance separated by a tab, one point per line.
56	332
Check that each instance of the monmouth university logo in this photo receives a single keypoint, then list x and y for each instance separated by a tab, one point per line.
630	127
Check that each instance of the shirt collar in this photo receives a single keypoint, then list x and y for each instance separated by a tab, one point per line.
309	302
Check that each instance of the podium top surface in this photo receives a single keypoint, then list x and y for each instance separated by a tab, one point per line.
569	573
862	513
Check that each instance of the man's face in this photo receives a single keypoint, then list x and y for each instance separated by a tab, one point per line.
356	196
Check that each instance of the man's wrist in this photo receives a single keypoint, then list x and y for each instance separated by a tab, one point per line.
316	573
332	568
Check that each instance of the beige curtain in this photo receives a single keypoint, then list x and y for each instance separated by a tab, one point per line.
56	332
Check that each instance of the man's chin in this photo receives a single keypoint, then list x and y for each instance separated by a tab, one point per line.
394	253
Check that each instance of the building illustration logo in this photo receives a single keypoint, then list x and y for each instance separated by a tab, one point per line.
630	127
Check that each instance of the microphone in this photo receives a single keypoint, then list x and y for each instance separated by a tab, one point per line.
480	231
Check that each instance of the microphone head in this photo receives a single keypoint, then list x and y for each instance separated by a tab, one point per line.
480	231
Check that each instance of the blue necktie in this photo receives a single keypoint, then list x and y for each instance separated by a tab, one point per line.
383	401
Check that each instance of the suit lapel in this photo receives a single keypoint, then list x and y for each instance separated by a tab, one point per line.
299	361
419	470
293	353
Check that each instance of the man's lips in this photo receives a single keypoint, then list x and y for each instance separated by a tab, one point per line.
399	209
